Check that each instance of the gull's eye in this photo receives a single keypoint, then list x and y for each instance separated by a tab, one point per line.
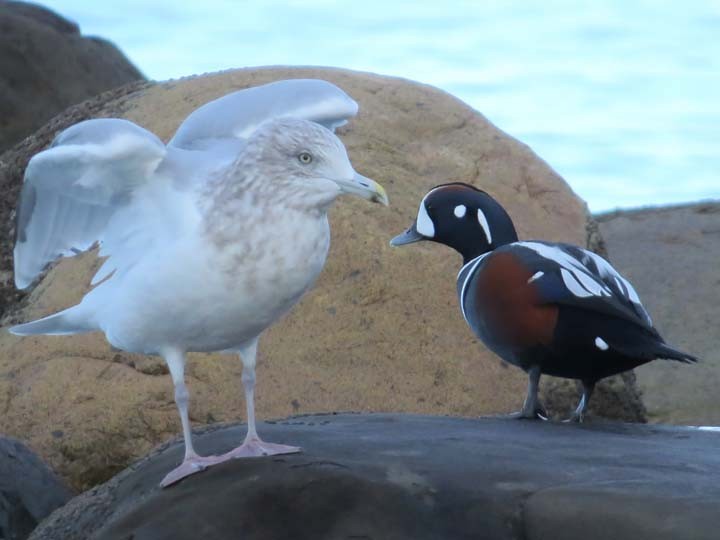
305	158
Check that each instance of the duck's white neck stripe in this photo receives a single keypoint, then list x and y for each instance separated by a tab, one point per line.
472	265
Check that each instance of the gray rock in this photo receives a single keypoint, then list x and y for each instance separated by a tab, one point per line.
395	476
46	66
29	490
671	255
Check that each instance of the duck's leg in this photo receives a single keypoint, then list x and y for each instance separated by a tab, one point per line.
579	414
192	462
532	408
253	446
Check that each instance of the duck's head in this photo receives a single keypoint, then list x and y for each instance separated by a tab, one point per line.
462	217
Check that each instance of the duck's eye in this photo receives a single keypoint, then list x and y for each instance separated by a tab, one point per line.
305	158
460	210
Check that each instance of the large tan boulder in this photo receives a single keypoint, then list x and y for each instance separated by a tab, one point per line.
380	332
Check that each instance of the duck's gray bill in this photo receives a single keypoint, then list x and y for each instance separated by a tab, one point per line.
408	237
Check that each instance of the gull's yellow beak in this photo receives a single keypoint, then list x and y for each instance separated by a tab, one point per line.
365	188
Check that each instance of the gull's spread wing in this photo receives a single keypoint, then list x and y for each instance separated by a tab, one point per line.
236	115
73	189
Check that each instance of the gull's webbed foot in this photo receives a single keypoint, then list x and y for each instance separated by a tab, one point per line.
189	466
254	447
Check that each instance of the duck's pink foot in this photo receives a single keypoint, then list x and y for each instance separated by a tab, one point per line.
189	466
258	448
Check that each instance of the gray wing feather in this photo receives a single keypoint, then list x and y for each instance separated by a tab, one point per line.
237	115
72	189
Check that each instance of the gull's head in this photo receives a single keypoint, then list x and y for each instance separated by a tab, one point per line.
310	160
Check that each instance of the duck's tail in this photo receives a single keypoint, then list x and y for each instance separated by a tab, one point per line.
640	343
666	352
74	320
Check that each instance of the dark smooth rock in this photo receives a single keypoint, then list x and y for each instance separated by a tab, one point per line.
395	476
46	66
29	490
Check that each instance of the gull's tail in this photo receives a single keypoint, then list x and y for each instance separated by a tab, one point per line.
74	320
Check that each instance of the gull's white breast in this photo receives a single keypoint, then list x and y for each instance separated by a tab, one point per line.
216	288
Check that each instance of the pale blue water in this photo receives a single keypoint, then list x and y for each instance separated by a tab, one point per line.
621	97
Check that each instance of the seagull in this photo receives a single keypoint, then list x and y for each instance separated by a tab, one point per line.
207	241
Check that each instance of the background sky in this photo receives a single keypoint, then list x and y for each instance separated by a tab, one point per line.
621	97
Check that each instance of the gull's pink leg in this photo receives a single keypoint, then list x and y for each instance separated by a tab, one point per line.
192	463
253	446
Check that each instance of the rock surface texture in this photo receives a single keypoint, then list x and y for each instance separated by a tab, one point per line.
417	477
46	66
672	255
29	490
382	330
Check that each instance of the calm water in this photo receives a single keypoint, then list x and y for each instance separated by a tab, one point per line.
621	97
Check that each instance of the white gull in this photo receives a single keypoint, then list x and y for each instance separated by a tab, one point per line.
208	240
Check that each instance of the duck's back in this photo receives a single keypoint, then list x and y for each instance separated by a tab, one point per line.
559	306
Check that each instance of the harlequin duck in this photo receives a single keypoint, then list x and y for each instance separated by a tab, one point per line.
542	306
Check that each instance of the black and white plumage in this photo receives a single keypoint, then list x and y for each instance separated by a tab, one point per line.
208	240
545	307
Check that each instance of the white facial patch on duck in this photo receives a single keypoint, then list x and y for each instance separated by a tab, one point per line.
600	344
460	210
424	225
484	224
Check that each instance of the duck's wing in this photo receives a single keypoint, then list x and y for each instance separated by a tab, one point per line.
73	190
223	124
566	274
